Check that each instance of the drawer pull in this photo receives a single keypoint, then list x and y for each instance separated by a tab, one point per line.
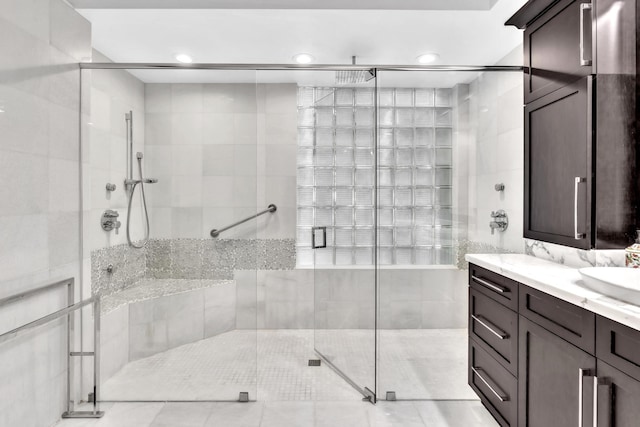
489	285
498	393
484	322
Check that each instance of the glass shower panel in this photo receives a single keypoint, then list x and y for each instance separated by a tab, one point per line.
446	138
179	315
336	218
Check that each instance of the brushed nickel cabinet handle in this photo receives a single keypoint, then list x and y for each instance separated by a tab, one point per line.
497	392
606	384
484	322
489	285
582	373
583	7
576	186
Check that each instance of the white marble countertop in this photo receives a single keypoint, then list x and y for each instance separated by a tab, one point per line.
559	281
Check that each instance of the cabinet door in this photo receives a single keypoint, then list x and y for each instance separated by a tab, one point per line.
617	398
558	155
555	385
557	48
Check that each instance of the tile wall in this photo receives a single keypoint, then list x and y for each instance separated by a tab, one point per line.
113	94
41	42
496	155
220	152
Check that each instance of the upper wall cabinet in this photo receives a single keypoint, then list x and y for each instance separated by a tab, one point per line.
558	48
557	166
581	118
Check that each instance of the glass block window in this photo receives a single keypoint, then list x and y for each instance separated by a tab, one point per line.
337	155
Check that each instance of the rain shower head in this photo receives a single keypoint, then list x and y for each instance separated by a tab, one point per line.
354	77
344	78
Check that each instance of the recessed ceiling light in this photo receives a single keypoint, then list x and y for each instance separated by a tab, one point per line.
428	58
184	58
303	58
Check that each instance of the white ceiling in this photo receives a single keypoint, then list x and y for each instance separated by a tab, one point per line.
462	37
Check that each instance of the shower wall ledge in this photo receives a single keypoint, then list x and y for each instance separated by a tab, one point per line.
187	259
147	289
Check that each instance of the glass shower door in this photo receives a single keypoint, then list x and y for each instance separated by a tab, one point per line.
336	176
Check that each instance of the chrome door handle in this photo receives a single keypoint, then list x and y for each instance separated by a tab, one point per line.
497	392
577	182
489	285
486	324
584	7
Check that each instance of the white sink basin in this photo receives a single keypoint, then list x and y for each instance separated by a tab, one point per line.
617	282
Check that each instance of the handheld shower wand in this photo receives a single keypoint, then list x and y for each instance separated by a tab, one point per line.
131	184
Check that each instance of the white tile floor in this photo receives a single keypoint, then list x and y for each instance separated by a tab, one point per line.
416	364
291	414
291	394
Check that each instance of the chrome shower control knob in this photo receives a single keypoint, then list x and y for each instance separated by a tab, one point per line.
500	221
109	220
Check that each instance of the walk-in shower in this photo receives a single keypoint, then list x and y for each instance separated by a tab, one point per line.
131	184
392	164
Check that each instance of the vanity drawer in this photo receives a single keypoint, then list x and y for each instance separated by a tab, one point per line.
618	345
495	286
496	387
570	322
495	328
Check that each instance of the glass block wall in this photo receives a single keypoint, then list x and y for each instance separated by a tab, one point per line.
336	181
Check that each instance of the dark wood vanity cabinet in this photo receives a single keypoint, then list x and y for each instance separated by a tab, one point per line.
493	342
556	363
581	117
552	375
568	365
618	374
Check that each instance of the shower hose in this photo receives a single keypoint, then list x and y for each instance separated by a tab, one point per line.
143	242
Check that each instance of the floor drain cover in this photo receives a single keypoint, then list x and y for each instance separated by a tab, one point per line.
314	362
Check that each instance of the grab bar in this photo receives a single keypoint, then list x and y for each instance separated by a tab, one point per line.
45	319
271	208
69	312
